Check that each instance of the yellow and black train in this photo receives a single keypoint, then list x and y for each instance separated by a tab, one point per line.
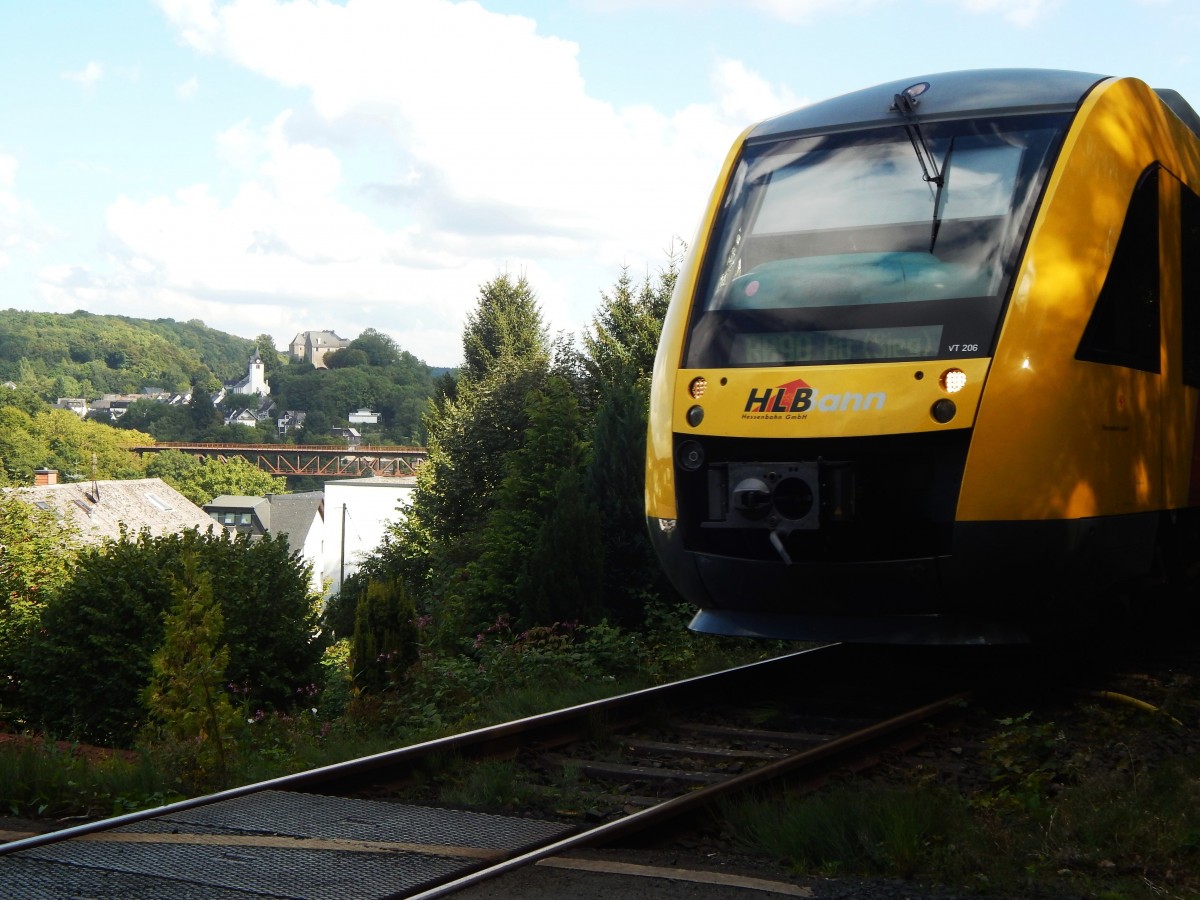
932	366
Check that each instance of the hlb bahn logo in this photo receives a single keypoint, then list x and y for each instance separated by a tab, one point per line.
796	399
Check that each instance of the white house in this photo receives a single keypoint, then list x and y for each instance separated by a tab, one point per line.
245	417
357	513
299	516
77	405
364	417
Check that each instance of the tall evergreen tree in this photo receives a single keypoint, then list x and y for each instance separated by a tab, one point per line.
505	345
619	359
615	483
562	578
623	340
530	501
505	325
503	578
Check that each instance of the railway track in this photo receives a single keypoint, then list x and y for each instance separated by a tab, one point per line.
347	830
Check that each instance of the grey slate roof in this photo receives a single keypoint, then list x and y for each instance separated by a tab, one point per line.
100	508
290	514
293	515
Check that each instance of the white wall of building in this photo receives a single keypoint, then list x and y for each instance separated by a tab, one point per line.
366	506
313	552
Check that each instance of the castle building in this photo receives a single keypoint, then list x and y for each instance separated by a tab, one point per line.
312	346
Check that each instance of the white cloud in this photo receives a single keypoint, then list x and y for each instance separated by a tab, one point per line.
87	77
746	96
188	89
499	159
800	11
195	19
494	158
1019	12
20	231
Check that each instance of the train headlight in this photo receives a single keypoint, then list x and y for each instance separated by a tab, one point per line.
698	386
943	411
695	415
953	380
690	456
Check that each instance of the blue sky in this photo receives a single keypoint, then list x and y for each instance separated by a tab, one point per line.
271	166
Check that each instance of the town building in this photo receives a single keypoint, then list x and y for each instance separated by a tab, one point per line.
364	417
351	436
313	346
290	420
77	405
100	509
255	381
358	512
300	516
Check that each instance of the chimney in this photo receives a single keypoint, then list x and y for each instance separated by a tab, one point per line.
44	476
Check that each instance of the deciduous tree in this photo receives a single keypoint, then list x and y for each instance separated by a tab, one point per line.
202	481
37	556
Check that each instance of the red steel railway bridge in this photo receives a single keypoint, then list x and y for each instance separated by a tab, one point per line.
308	459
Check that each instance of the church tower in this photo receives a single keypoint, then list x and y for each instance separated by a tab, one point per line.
255	381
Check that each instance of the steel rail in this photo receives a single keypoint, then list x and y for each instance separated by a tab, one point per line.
493	740
823	754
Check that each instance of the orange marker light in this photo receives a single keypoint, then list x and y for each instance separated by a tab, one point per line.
953	380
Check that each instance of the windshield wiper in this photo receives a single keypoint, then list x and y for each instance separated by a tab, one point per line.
905	103
939	197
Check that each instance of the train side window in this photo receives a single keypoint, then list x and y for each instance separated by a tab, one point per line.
1123	329
1189	253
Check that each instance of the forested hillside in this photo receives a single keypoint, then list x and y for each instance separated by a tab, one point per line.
84	355
49	355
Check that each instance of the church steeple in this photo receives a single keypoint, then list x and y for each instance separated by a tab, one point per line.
256	377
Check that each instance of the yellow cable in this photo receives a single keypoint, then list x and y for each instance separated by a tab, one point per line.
1134	701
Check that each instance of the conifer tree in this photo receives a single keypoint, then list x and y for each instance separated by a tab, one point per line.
503	577
505	325
619	359
623	340
192	719
506	357
385	635
562	579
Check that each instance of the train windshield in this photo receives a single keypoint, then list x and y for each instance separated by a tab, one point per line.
848	248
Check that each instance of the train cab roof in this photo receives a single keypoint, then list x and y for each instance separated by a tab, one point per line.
955	95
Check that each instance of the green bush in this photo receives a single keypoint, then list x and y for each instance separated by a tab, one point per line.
385	636
91	657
